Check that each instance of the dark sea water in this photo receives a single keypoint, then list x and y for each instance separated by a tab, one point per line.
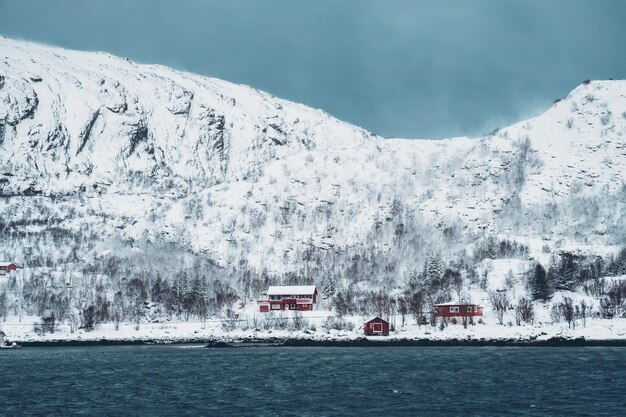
317	381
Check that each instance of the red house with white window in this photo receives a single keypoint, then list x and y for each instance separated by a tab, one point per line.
7	267
376	327
288	297
449	310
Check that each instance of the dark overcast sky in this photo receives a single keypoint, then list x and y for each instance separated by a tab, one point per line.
404	68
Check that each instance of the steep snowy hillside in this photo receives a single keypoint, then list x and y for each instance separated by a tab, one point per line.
572	153
100	154
72	118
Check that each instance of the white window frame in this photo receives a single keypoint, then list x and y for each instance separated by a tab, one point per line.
469	309
454	309
374	327
275	307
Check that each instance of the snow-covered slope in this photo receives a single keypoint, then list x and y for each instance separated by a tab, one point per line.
110	154
73	117
575	150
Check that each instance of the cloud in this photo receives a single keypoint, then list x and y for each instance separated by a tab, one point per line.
408	68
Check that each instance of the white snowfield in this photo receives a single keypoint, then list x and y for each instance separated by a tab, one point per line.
100	156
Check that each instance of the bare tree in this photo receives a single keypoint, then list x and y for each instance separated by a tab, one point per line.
403	309
341	304
584	312
382	304
524	311
617	294
555	314
500	303
567	310
4	306
416	306
89	318
456	279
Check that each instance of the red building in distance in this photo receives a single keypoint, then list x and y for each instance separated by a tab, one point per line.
288	297
7	267
376	327
449	310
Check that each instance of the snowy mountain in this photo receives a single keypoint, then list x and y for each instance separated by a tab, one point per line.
74	118
99	155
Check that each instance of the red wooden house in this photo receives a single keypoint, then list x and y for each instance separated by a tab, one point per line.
449	310
288	297
376	327
7	267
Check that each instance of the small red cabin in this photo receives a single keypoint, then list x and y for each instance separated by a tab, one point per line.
376	327
7	267
448	310
288	297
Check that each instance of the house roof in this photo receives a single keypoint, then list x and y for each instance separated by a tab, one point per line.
376	318
3	263
453	303
291	290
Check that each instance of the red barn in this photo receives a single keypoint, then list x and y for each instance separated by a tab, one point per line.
376	327
449	310
288	297
7	267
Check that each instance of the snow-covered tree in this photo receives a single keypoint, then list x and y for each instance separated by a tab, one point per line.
434	267
328	287
566	272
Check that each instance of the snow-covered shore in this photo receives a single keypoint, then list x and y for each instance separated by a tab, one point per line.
596	331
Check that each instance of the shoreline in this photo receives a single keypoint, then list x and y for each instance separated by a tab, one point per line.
217	343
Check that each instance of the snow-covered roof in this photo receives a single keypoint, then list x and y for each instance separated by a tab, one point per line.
2	263
455	303
376	318
291	290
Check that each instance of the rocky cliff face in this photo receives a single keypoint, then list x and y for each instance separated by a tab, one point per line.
71	118
100	154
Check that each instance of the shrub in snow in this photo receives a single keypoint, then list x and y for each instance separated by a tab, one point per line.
47	325
298	322
613	303
337	323
491	248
